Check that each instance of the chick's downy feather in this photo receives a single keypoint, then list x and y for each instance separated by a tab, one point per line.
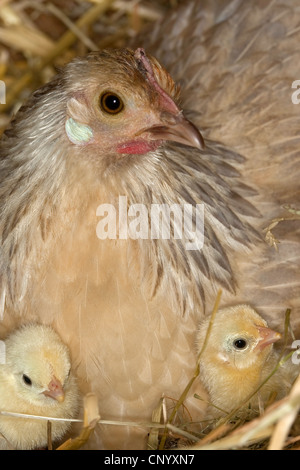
99	131
36	379
236	357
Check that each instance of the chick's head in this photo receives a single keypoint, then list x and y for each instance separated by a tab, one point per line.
39	364
239	339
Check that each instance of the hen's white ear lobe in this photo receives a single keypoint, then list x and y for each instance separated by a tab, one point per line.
78	133
77	128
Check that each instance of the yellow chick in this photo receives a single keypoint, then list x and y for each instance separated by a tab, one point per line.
237	358
36	379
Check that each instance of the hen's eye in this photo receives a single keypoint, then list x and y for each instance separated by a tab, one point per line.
26	380
111	103
240	343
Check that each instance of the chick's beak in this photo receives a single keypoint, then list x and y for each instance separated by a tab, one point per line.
267	337
176	128
55	390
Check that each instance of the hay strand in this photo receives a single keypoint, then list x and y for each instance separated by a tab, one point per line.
62	45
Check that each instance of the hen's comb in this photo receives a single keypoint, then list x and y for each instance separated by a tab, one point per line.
146	69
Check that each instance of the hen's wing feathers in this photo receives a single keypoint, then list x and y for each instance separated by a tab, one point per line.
236	83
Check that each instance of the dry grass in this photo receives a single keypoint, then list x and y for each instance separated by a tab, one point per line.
37	36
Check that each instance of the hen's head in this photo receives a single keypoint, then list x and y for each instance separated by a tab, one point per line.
123	102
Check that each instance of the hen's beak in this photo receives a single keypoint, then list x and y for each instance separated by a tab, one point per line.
55	390
267	337
177	129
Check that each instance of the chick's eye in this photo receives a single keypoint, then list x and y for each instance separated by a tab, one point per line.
26	379
111	103
240	343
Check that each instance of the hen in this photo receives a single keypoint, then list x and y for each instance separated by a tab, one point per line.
237	358
35	379
129	308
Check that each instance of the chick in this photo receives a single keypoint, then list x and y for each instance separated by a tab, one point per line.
237	358
36	379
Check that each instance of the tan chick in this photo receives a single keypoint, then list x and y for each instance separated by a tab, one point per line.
36	379
238	357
